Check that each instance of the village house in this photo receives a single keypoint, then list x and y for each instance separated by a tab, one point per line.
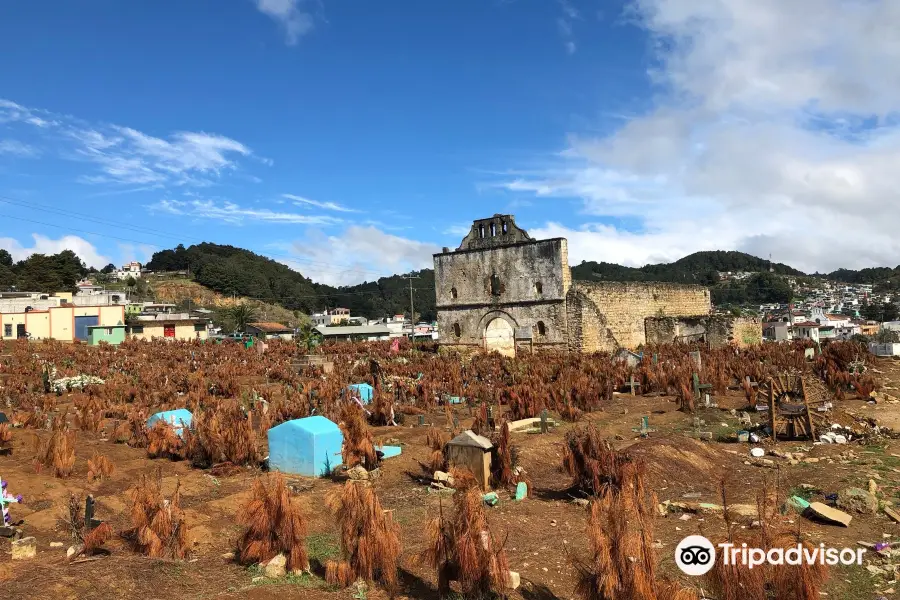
132	269
332	316
168	326
65	323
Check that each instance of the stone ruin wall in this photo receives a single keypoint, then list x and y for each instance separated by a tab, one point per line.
518	267
718	330
607	315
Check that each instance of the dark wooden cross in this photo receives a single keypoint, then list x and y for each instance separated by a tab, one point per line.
699	387
632	384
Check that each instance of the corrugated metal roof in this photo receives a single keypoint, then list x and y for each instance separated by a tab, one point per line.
270	327
353	330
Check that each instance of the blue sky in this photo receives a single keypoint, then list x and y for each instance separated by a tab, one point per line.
353	139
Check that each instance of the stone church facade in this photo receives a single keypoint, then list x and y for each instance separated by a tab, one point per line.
502	290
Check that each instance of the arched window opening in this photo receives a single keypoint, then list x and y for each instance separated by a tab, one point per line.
541	328
495	285
457	331
538	288
493	230
453	293
504	228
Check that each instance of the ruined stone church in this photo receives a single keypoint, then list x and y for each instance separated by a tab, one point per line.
502	290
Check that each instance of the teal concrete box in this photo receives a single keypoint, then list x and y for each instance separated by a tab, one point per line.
364	390
310	446
179	419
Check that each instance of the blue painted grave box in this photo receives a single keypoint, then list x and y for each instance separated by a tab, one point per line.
310	446
363	390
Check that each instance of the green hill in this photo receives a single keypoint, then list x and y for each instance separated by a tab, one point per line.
235	271
699	267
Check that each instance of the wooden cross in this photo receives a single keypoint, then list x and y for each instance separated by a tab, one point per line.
699	387
644	429
632	384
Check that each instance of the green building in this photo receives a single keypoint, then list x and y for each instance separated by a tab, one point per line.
111	334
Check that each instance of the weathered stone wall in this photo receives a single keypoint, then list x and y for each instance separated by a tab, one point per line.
473	321
717	330
747	331
623	308
533	278
586	325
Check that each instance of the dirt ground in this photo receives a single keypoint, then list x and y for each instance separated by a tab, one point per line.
543	532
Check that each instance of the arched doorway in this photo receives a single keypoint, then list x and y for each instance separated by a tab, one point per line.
498	335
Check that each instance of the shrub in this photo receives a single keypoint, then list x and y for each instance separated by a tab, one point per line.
370	540
273	523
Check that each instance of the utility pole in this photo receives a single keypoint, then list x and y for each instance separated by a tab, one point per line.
412	312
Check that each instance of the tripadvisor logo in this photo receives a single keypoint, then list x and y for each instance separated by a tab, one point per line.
696	555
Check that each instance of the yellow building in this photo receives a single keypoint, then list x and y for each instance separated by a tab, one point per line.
176	329
64	323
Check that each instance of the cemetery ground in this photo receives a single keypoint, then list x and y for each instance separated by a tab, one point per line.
540	533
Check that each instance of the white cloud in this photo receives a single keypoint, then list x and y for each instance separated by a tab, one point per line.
124	155
301	201
295	21
760	140
234	214
44	245
17	148
358	254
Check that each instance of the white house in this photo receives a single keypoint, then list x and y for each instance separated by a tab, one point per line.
132	269
818	315
805	331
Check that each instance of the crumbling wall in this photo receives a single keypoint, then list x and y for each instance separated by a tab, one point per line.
666	330
587	325
625	306
747	331
717	330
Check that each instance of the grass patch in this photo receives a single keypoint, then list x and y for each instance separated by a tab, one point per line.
322	547
851	583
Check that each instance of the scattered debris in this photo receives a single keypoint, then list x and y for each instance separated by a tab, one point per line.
826	513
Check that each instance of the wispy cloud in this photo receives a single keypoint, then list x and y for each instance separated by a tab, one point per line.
564	23
301	201
17	148
235	214
294	20
123	155
358	254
